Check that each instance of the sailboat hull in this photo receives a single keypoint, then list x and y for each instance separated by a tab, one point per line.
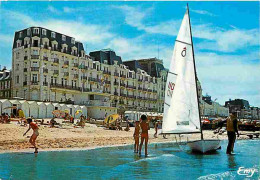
204	146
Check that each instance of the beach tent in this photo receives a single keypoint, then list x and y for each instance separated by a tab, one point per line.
71	109
42	110
56	106
25	107
111	118
77	115
63	107
15	104
4	104
33	109
84	110
49	109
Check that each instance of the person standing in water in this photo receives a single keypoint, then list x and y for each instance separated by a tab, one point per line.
144	135
136	136
232	129
34	135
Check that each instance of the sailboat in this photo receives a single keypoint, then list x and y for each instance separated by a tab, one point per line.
181	104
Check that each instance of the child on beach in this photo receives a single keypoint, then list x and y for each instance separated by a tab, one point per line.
34	135
144	135
136	136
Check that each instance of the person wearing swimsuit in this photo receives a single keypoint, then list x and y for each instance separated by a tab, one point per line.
144	135
136	136
34	135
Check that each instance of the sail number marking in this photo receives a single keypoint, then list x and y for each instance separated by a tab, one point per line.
170	88
183	53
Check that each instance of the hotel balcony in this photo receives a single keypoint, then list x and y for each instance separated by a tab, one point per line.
115	93
45	83
106	72
65	87
35	56
34	82
123	76
66	74
45	70
56	72
116	83
35	69
66	63
45	58
98	103
107	82
56	61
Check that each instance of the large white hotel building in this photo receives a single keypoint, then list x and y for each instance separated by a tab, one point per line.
50	66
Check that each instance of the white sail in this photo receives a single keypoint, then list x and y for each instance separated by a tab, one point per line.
181	112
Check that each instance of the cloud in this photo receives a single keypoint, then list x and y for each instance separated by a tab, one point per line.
229	76
6	38
216	38
90	33
203	12
53	10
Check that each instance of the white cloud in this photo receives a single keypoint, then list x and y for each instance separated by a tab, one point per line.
216	38
6	38
229	76
203	12
53	10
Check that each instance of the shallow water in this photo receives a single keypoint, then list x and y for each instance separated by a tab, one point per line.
165	161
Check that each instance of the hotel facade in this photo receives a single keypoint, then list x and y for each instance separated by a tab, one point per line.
50	66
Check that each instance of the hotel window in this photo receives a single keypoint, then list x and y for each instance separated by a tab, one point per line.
34	78
53	35
36	30
63	38
20	34
73	40
17	79
44	32
18	44
28	32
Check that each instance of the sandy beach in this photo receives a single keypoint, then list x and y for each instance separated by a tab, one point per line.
70	138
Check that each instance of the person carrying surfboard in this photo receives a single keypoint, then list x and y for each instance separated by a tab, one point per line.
35	133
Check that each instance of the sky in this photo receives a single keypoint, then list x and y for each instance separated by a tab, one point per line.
225	36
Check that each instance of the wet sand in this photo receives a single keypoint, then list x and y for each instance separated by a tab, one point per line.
70	138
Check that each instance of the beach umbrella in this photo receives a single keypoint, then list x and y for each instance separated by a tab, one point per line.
112	118
78	111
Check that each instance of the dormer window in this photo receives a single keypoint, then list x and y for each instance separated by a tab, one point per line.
73	40
20	34
44	32
63	38
28	32
36	30
53	35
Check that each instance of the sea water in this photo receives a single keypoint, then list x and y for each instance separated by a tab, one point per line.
165	161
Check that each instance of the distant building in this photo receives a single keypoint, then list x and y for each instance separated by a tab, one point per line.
237	104
5	83
212	108
107	56
152	66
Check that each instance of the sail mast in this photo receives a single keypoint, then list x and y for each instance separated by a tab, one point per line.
195	72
